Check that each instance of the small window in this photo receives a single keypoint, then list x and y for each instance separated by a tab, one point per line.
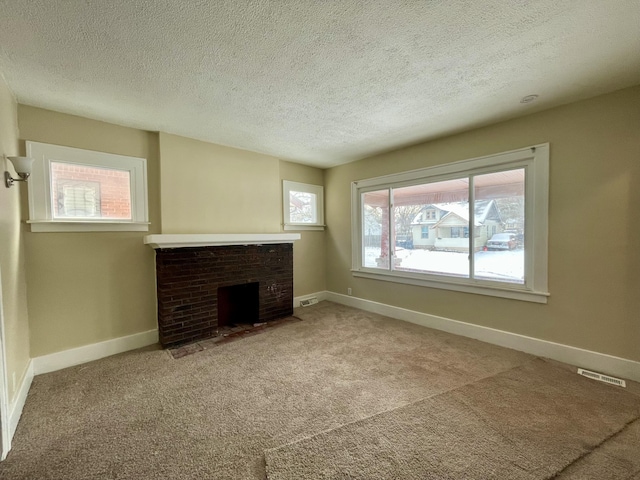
425	232
430	215
81	190
303	206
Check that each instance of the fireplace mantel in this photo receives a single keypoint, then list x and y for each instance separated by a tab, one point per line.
217	239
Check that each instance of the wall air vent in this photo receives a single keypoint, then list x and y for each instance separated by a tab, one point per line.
602	378
308	302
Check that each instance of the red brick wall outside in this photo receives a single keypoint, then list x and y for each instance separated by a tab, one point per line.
188	280
115	191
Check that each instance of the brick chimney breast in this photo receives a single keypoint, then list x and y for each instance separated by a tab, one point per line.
189	278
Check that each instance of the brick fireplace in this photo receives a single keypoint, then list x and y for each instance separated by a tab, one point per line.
205	282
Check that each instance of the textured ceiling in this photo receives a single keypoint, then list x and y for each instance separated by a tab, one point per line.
318	82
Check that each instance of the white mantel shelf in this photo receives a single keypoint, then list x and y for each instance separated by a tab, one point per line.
218	239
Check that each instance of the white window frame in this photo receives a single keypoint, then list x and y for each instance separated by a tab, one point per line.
317	190
40	202
535	160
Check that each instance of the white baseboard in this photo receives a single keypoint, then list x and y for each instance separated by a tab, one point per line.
17	405
95	351
591	360
69	358
319	295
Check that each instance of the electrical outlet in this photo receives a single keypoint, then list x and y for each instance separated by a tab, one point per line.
348	291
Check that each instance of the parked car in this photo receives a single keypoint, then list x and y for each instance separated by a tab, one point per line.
520	240
404	241
502	241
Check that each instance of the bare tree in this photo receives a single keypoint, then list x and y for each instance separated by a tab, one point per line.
512	212
376	219
301	207
404	216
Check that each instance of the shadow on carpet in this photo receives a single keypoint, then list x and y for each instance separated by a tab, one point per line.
530	422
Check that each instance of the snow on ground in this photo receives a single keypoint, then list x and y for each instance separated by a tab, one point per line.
506	266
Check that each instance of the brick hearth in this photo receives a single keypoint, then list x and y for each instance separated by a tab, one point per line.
188	280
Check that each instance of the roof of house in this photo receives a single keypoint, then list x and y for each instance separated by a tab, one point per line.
459	209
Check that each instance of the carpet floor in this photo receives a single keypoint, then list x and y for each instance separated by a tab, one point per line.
218	412
527	423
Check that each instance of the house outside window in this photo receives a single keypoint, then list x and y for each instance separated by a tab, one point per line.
77	199
472	200
424	232
83	190
90	192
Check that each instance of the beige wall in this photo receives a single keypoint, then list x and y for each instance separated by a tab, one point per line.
208	188
85	288
309	252
12	263
594	226
89	287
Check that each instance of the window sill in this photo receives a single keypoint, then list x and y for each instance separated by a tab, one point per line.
303	227
493	291
83	226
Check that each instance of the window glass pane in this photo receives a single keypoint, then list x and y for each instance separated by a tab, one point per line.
302	207
432	227
499	226
449	243
375	229
78	191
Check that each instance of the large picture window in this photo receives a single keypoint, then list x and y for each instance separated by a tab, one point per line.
477	226
82	190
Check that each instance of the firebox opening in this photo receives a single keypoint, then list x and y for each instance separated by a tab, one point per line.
238	304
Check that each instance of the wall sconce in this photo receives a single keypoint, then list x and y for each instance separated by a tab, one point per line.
22	166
